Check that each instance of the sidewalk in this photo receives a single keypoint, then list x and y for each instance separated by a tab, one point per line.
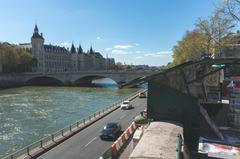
159	140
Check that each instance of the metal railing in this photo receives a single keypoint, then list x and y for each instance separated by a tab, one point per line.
179	147
55	138
89	71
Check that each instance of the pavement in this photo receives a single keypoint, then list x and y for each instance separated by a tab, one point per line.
159	140
87	144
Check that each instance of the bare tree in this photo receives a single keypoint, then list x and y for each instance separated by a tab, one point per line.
216	27
233	7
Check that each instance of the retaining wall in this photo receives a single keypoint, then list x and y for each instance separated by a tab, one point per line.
10	80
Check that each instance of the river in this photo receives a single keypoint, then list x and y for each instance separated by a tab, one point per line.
28	114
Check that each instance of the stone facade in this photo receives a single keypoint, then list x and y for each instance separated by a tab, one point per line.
1	65
232	50
59	59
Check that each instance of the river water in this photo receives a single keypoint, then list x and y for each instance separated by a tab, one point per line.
28	114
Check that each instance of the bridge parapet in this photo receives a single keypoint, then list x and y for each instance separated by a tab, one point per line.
71	78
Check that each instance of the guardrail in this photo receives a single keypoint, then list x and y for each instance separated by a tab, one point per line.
86	71
41	146
179	146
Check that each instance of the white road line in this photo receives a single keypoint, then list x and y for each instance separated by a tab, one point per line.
122	116
91	141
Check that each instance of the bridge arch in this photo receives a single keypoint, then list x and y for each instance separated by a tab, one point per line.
44	81
89	79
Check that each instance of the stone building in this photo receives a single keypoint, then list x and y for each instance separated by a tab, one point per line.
1	65
52	58
232	50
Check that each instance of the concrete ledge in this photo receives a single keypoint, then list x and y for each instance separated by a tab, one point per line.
159	140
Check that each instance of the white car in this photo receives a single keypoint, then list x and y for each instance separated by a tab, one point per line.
126	105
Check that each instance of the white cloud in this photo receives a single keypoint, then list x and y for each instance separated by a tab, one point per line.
159	54
65	44
139	52
98	38
149	54
108	49
139	57
165	53
122	46
119	52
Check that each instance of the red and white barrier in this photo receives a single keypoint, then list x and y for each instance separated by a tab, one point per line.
134	126
118	144
123	138
126	135
114	150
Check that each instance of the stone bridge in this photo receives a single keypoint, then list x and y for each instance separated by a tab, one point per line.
83	78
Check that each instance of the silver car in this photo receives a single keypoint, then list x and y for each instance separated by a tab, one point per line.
126	105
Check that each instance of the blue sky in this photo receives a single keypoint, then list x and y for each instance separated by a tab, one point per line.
131	31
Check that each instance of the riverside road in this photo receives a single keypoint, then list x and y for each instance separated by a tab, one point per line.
87	144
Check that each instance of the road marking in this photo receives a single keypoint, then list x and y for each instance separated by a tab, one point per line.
91	141
122	116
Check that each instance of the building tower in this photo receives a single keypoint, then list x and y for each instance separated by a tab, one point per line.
80	50
74	59
81	56
37	42
92	58
91	50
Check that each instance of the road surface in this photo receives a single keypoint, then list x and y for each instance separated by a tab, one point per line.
87	144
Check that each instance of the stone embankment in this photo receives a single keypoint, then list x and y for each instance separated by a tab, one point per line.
10	80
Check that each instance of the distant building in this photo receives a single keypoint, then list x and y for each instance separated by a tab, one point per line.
1	65
25	45
1	62
52	58
232	50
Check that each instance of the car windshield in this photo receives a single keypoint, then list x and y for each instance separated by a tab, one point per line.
111	125
126	102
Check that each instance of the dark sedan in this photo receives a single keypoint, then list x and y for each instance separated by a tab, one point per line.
111	131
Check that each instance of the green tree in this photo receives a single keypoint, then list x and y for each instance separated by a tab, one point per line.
9	55
24	56
191	47
15	59
216	28
119	66
209	37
